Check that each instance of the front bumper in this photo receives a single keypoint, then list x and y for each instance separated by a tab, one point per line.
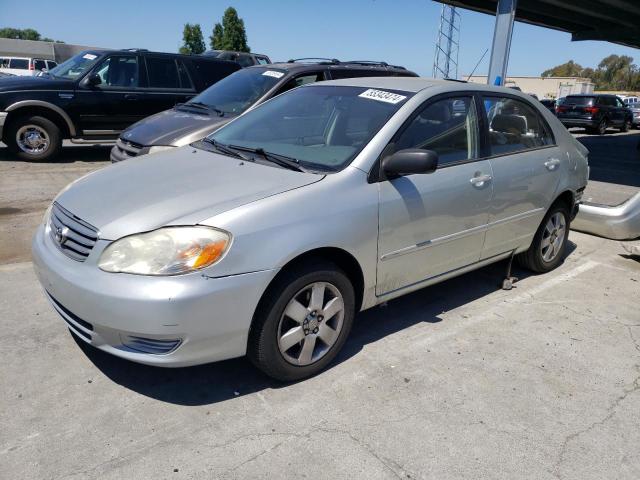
3	119
210	317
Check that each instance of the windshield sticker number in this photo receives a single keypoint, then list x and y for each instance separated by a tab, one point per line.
382	96
89	56
273	73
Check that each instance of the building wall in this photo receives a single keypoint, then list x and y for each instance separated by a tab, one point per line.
545	87
59	52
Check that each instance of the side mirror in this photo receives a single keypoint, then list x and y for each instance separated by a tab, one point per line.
92	80
409	161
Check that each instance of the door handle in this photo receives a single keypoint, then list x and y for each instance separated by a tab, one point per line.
552	164
130	96
479	180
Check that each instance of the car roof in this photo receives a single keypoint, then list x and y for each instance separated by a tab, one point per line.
314	66
416	84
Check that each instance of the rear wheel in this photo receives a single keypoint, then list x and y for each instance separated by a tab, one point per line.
34	138
302	322
601	129
550	241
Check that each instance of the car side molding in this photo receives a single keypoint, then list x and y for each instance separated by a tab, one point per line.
50	106
620	222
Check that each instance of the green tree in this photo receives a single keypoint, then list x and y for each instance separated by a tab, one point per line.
193	43
24	34
569	69
231	35
217	37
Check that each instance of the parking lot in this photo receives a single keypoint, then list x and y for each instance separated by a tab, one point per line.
459	380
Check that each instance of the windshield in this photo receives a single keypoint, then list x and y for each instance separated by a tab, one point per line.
322	127
579	101
75	66
237	92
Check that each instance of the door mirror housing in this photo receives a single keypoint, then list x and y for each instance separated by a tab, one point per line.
92	80
410	161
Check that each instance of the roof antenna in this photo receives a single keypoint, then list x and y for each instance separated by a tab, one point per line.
474	68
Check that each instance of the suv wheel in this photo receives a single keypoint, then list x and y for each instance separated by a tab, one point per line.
550	241
601	129
626	126
34	138
302	322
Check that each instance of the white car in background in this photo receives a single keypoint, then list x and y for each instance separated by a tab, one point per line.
25	66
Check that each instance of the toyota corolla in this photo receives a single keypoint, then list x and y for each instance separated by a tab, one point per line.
266	238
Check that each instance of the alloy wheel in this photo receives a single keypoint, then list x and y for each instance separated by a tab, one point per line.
311	323
553	237
32	139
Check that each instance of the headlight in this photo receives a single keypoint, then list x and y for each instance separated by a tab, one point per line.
159	148
166	251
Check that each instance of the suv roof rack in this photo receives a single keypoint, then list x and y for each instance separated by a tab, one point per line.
374	63
321	60
134	50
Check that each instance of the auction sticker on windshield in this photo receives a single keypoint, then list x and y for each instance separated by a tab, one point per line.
382	96
273	73
89	56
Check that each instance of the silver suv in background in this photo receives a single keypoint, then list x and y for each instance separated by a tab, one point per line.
267	237
244	59
241	91
25	66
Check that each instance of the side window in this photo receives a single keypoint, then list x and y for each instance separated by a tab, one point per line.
515	126
119	71
262	60
619	102
185	80
51	64
39	65
449	127
301	80
245	60
162	72
19	63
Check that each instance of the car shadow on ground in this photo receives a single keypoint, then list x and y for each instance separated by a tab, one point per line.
76	153
613	158
216	382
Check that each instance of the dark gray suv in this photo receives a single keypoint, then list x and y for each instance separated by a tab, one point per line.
239	92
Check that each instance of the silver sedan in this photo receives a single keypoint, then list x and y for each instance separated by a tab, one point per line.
267	237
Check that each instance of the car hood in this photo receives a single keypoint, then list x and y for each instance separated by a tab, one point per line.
34	83
179	187
173	127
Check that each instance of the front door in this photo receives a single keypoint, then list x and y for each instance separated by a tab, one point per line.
526	165
105	109
431	224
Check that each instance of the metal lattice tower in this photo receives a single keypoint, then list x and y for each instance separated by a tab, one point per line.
445	63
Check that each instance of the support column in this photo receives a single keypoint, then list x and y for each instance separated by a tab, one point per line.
505	16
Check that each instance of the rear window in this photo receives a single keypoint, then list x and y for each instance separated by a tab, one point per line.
19	63
579	100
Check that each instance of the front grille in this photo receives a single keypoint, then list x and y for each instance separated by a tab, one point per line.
73	236
130	149
150	345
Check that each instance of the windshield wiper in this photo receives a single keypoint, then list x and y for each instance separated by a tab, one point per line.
202	106
225	149
282	160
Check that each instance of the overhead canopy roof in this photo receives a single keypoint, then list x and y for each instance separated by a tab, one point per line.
616	21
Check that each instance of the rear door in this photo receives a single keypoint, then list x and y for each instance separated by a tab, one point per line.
167	83
526	164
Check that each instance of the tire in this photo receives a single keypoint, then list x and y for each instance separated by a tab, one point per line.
601	129
535	259
280	356
46	141
626	126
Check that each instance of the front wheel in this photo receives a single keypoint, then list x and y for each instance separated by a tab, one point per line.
626	126
302	322
601	129
34	138
549	243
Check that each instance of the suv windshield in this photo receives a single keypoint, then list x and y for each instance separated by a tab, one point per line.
579	100
75	66
237	92
321	127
